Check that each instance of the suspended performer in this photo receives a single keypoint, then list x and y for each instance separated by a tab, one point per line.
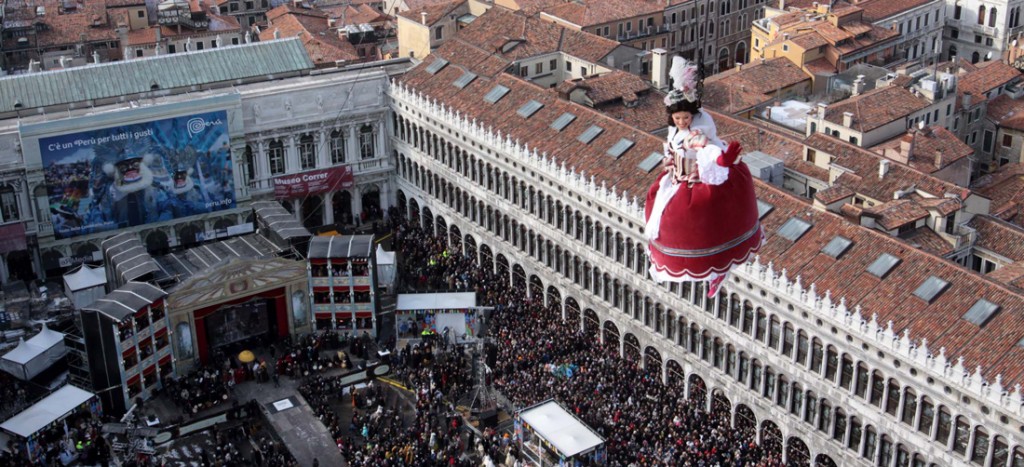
702	211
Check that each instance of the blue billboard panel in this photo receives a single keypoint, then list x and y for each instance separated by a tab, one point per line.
123	176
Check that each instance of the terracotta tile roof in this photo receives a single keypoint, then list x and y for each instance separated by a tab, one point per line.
563	146
124	3
988	76
612	86
346	14
926	239
943	206
1006	190
834	193
1011	274
820	66
523	36
532	7
1006	112
897	213
434	11
934	140
322	43
833	34
810	40
993	346
1000	237
862	176
742	88
88	22
584	13
877	10
876	108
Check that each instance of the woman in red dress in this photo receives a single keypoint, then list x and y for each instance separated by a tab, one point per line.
702	211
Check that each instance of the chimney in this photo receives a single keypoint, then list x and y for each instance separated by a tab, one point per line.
938	159
883	168
659	68
782	5
33	66
95	56
858	85
159	34
64	61
906	148
848	119
822	107
423	17
966	101
277	34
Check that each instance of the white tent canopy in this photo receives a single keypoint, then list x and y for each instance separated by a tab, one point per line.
35	355
86	285
561	429
52	408
436	301
385	267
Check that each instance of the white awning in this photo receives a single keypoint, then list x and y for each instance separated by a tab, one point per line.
436	301
384	257
35	355
52	408
565	432
84	278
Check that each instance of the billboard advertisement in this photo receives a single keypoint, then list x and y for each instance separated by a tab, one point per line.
124	176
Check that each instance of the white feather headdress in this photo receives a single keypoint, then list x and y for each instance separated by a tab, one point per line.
685	80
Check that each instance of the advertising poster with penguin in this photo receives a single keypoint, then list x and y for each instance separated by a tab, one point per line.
112	178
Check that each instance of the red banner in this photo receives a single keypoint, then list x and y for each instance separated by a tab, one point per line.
313	182
12	237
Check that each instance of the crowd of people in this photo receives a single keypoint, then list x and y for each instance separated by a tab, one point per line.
644	421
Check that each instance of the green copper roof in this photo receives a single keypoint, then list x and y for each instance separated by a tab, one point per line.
170	71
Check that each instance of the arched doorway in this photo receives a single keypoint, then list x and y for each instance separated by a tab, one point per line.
591	323
554	298
502	263
371	204
723	59
652	361
572	313
721	408
771	438
611	336
975	57
952	52
442	229
797	453
455	236
698	391
312	212
631	349
823	460
470	246
741	53
486	258
400	201
51	261
414	212
746	421
536	288
518	277
19	265
341	202
676	377
188	234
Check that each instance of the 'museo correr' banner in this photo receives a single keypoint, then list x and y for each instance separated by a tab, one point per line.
314	182
111	178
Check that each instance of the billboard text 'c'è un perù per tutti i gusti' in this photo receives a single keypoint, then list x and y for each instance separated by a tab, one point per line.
124	176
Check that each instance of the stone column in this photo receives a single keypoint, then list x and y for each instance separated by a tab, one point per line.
352	144
357	202
323	153
291	155
262	165
328	207
380	131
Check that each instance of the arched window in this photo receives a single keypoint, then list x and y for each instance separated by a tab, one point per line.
909	406
980	450
275	155
961	435
337	147
992	15
307	152
981	15
367	146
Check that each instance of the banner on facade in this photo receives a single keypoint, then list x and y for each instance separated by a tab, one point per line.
12	237
314	182
124	176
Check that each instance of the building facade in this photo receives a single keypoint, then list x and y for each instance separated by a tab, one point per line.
831	382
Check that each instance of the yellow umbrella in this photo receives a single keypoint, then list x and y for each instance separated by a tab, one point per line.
246	356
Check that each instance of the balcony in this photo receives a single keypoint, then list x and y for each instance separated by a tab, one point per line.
631	35
361	167
341	281
342	307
